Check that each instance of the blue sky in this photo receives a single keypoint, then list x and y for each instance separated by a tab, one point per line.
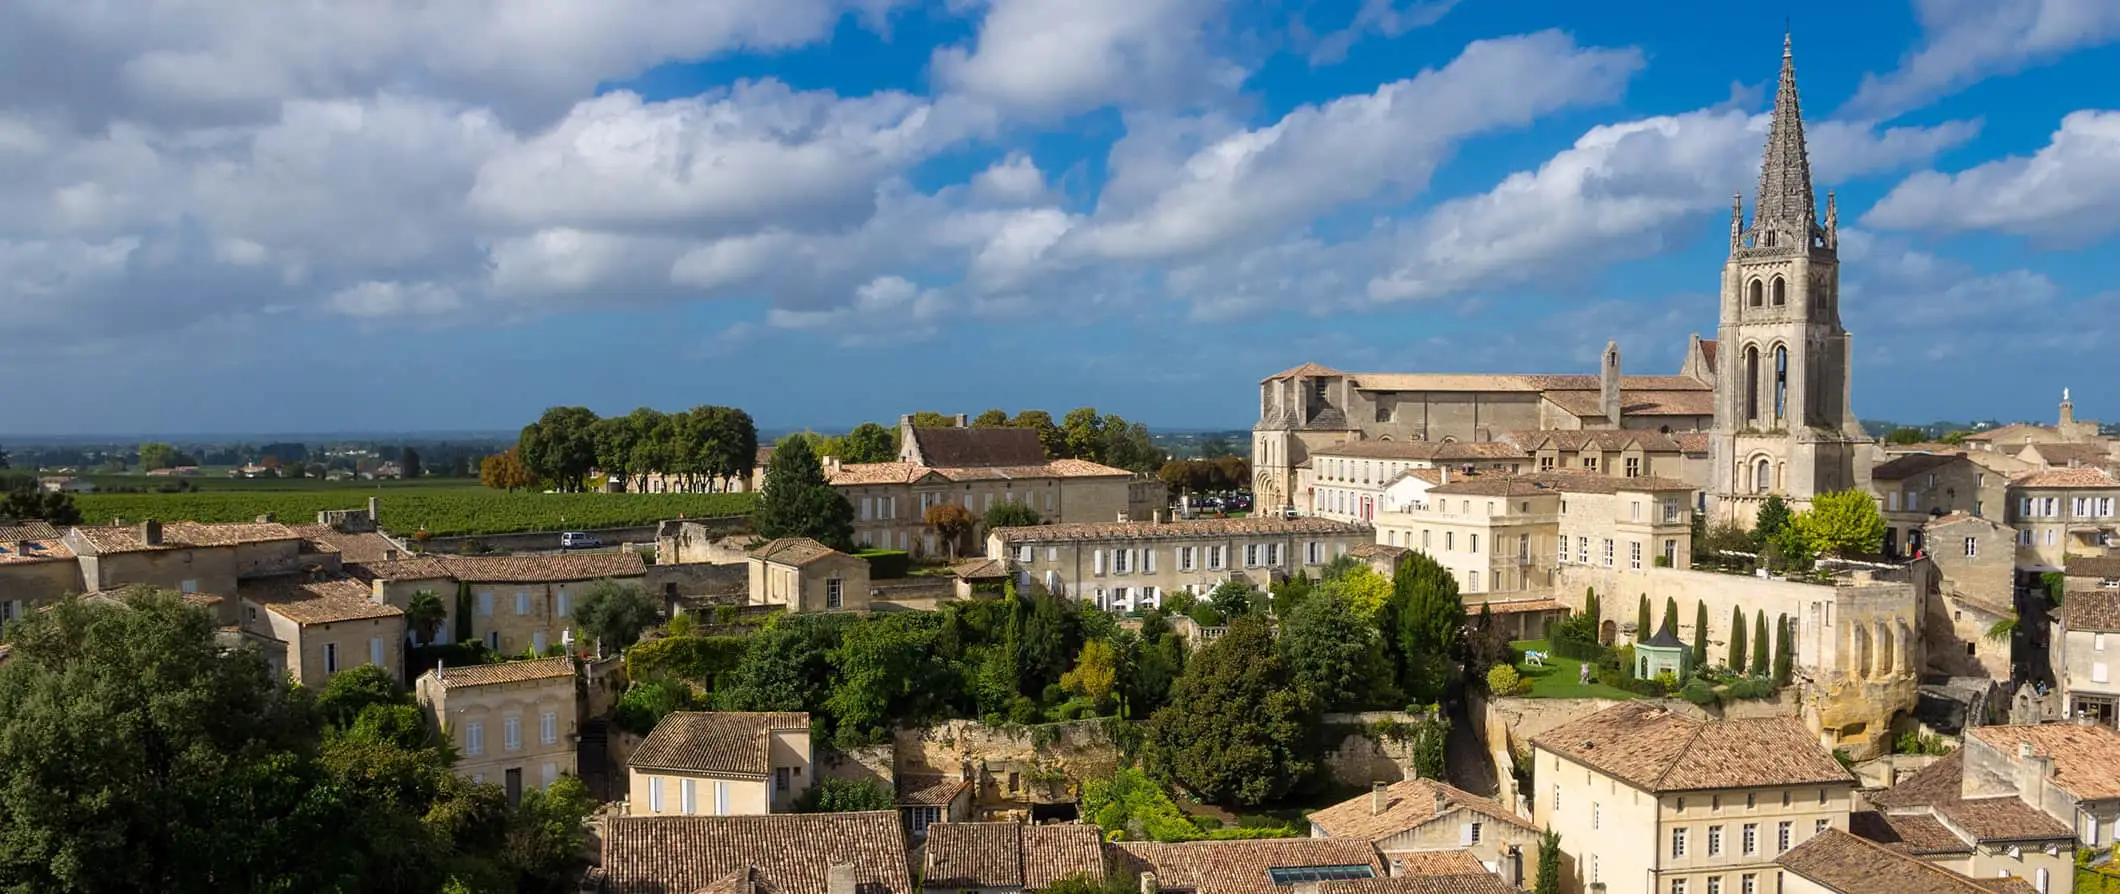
236	217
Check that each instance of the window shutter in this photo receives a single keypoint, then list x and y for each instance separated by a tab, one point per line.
1465	834
375	651
1148	561
1097	562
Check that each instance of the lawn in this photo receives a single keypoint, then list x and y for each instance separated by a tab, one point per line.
440	511
1558	679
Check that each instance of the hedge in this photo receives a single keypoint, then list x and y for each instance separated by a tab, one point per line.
887	564
700	660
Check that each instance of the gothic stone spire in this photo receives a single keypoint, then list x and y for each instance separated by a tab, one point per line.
1786	211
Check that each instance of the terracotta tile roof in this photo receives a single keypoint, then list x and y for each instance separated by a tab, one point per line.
413	568
1920	834
25	550
1691	441
716	742
1306	370
796	551
1011	855
2097	610
1238	867
2066	478
108	539
2086	757
1556	482
2094	566
1709	349
1912	464
969	447
2074	454
1408	804
1183	529
980	569
28	530
856	474
1377	551
366	546
1059	468
1942	780
506	672
1632	402
1847	864
1657	750
929	789
560	568
793	852
1515	606
2003	819
1649	440
2017	433
1438	451
1428	872
303	601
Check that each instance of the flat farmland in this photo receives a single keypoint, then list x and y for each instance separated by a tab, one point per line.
442	511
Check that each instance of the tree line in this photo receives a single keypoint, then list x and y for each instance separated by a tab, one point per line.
702	448
1083	433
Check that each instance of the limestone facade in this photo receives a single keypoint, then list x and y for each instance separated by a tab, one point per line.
1125	566
513	724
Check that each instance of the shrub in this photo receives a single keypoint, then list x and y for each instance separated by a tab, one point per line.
1698	691
835	795
1752	688
1504	680
887	564
702	660
646	703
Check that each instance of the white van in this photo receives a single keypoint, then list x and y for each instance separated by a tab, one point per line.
579	540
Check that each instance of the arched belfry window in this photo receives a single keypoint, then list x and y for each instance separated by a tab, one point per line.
1781	382
1752	383
1762	476
1781	291
1758	294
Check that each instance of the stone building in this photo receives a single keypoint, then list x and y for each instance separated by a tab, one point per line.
1125	566
514	603
1930	815
1836	862
1648	800
2063	513
513	724
36	568
2013	439
807	576
2071	771
1915	488
2082	647
328	625
1418	816
1349	481
1009	858
1973	587
797	853
191	557
721	763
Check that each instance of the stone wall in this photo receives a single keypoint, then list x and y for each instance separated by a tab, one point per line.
873	763
699	580
1507	725
1355	756
1011	766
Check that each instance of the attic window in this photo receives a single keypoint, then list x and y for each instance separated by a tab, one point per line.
1309	874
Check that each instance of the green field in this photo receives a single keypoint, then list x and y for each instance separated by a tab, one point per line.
442	511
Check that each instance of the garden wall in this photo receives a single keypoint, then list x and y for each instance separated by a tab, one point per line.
1355	756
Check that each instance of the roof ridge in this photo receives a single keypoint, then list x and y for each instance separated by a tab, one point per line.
1700	728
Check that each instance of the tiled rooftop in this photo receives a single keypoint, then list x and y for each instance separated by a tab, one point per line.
2097	610
366	546
1637	402
2086	756
304	601
2094	566
1657	750
1238	867
1439	451
1256	526
2067	478
2002	819
1011	855
2014	433
1305	371
1920	834
929	789
108	539
1942	780
716	742
1428	872
1556	482
505	672
790	853
558	568
23	549
1847	864
793	551
972	447
1408	804
1648	440
1913	464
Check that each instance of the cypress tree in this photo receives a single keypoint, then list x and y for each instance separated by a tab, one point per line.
1737	638
1671	614
1783	661
1700	635
1592	610
1549	861
463	611
1759	635
797	501
1641	620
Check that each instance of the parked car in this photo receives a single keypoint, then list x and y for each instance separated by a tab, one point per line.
579	540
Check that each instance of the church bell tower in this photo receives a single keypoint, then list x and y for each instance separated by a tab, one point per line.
1783	424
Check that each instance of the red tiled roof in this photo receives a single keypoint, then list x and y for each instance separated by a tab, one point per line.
2086	757
505	672
1656	750
1257	526
1847	864
108	539
1011	855
304	601
1408	804
1238	867
792	852
796	551
716	742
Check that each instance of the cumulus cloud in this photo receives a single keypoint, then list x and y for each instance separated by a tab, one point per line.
1049	58
2064	193
1387	18
1964	41
1246	183
1624	191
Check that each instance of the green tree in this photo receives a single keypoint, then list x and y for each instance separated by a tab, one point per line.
425	614
833	794
1050	435
1083	433
1289	593
1738	645
409	463
560	446
1549	864
1772	517
869	443
615	614
1700	634
1759	648
1904	435
1133	807
1843	523
1158	660
349	692
548	835
1233	598
951	524
1593	610
932	419
1641	619
787	666
1095	675
1424	620
1336	653
31	502
995	418
887	674
1366	590
1238	730
505	471
797	501
1784	661
157	455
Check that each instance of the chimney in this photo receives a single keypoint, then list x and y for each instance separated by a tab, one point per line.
390	555
441	670
964	421
151	532
2024	750
1157	518
1609	380
1379	801
1446	474
1148	883
1122	516
21	547
1440	802
831	466
373	514
839	879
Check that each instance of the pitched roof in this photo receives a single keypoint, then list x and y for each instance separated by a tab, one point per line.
30	542
1602	438
792	852
1182	528
109	539
27	530
1421	450
304	601
1912	464
1509	382
1377	551
2066	478
2018	432
1426	872
1238	867
2074	454
1305	371
557	568
2086	756
716	742
1919	834
1633	402
2094	566
854	474
980	569
1011	855
1556	482
1408	803
928	789
969	447
1654	749
1691	441
2003	818
1709	349
408	568
867	474
505	672
365	546
1848	864
796	551
1942	780
2091	610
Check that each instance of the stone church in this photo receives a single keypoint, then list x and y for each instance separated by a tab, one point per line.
1770	391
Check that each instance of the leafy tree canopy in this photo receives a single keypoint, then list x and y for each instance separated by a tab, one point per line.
1237	730
797	501
1336	653
615	613
1842	523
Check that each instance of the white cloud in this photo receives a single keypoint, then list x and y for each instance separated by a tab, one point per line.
1624	191
885	310
1383	144
2064	193
1050	58
1386	18
1964	41
390	299
1014	180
